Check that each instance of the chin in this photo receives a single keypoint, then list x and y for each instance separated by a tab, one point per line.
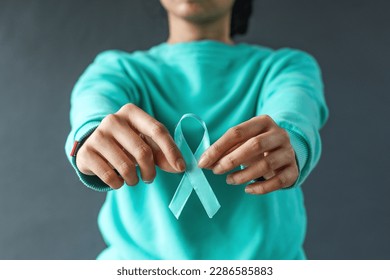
198	10
191	9
194	10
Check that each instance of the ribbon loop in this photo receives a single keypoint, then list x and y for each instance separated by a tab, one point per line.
193	177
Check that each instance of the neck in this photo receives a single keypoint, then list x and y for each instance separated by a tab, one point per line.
181	30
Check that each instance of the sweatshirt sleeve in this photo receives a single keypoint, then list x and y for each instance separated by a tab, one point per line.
102	89
293	96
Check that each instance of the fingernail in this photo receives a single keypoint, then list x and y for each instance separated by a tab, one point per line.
180	164
230	180
203	161
148	182
249	190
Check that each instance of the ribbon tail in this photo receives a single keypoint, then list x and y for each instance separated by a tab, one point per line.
204	191
181	196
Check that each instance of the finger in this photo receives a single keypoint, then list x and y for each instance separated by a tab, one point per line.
273	161
250	162
159	158
83	165
284	178
102	169
141	152
232	137
149	126
117	158
251	149
269	174
227	152
130	156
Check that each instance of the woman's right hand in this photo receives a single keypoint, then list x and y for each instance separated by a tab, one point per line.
125	139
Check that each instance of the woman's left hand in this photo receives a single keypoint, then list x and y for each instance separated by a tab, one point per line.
262	147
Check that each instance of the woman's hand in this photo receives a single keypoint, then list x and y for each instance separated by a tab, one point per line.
262	147
123	140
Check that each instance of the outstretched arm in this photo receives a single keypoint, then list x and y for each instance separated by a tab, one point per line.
282	144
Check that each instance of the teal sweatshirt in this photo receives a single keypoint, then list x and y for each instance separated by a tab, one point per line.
224	85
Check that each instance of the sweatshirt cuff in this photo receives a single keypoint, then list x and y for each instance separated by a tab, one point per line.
91	181
301	155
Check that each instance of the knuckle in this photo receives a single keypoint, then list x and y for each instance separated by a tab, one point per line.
97	139
110	119
240	178
266	118
228	162
236	132
158	129
143	151
281	180
127	107
269	162
260	189
291	155
216	149
285	135
124	168
98	134
110	178
289	178
257	143
87	149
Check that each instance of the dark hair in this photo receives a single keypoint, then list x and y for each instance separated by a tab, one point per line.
241	13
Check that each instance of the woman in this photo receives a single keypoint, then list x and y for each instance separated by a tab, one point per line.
263	109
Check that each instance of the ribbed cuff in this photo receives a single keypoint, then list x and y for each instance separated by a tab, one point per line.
301	155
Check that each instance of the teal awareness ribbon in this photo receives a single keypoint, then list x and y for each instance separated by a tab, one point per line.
193	177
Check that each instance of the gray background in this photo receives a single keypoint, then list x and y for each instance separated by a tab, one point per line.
46	213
